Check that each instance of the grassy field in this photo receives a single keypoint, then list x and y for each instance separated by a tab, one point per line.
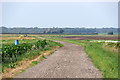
105	60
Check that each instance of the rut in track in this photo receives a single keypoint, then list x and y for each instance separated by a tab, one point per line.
69	61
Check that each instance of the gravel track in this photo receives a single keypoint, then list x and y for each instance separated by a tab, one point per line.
69	61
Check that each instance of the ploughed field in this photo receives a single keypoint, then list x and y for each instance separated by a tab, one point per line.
92	37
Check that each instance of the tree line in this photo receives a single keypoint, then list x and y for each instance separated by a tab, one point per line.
36	30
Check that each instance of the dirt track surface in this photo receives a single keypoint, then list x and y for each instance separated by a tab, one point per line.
69	61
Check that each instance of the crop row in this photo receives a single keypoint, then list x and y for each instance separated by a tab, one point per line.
11	52
4	42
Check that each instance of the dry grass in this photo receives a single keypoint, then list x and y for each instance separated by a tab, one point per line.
9	34
112	49
16	38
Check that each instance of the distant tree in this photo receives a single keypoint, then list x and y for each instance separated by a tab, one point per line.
110	33
35	30
53	31
61	30
95	33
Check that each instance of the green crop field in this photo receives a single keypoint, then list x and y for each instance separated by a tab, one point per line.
20	41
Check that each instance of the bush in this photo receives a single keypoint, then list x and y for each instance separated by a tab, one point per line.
110	33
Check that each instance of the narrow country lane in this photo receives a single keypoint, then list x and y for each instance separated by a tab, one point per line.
69	61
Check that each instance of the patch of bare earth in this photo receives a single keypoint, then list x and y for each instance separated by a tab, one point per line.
22	65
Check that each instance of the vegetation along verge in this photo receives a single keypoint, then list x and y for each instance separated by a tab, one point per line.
12	54
105	60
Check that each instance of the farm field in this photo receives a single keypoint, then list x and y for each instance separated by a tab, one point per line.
103	55
92	37
83	37
20	41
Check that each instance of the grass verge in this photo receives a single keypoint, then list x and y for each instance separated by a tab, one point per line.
106	61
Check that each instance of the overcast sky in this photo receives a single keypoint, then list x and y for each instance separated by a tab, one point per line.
59	14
